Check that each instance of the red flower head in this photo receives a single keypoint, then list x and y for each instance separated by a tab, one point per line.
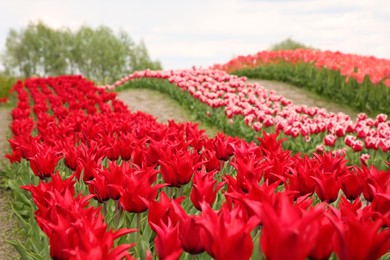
162	212
167	242
223	146
226	234
327	188
178	169
270	144
189	231
287	229
204	188
137	189
45	161
351	186
106	182
249	171
211	161
359	238
330	140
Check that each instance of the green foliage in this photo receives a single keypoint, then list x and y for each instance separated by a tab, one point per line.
33	243
6	83
365	97
98	54
289	44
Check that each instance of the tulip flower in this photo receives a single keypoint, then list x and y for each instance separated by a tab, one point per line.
44	161
287	230
178	169
223	147
74	229
211	161
249	171
351	186
360	239
106	182
324	235
167	242
226	234
373	181
327	188
136	190
330	140
163	211
190	230
204	188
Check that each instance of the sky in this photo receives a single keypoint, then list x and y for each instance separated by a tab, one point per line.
182	33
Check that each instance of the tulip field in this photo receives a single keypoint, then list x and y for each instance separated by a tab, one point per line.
93	180
362	82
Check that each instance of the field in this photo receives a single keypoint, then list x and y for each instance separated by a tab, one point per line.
271	178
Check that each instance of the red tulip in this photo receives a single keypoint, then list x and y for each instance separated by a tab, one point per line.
163	211
178	169
211	161
226	234
204	188
373	181
359	238
137	189
286	232
223	146
189	231
249	171
167	242
74	229
381	204
323	233
351	186
106	182
44	161
269	144
330	140
327	188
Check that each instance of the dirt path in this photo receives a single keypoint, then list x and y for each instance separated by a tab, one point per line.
302	97
159	105
7	220
153	102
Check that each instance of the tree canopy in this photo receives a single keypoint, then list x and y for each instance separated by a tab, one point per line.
289	44
98	54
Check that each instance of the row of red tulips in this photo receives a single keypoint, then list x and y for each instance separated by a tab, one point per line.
349	65
230	195
264	109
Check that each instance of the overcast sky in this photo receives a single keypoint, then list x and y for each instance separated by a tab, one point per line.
183	33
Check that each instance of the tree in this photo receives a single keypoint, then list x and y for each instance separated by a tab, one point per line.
98	54
289	44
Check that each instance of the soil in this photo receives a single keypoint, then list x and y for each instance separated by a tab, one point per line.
303	97
153	102
8	222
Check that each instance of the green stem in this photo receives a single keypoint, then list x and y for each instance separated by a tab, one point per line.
138	228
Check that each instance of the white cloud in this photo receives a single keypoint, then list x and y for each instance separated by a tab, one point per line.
186	33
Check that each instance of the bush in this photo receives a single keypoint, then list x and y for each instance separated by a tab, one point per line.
289	44
6	83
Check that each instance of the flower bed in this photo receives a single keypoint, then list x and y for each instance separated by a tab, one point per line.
169	190
309	128
360	82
